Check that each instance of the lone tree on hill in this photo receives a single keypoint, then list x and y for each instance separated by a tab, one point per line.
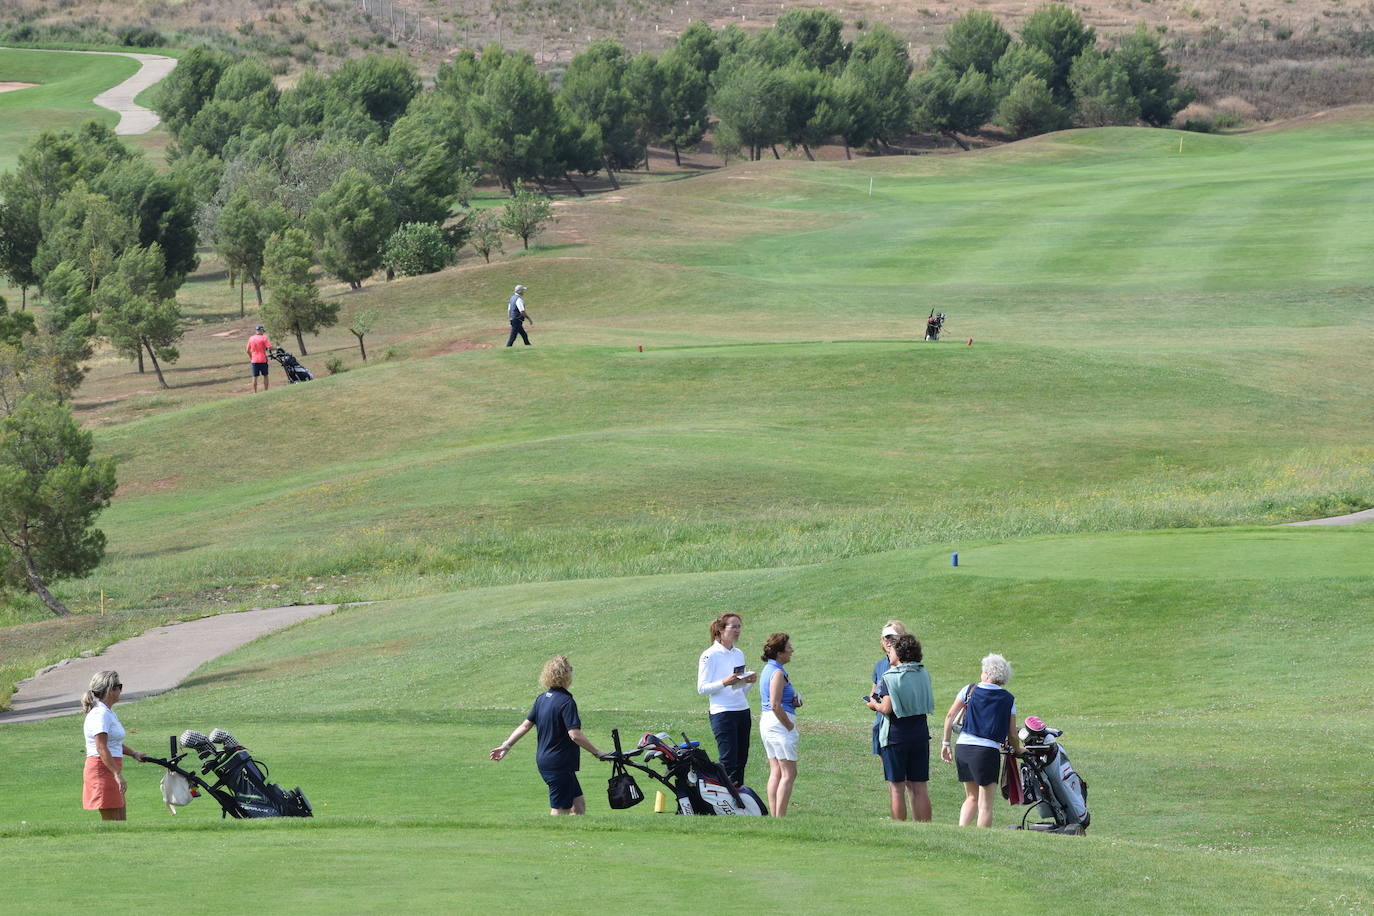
50	493
526	215
360	326
486	234
293	302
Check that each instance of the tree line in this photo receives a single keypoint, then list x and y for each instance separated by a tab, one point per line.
348	159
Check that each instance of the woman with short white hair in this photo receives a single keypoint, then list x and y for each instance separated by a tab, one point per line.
989	723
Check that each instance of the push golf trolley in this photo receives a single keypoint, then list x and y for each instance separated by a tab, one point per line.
295	372
933	325
700	785
239	781
1049	784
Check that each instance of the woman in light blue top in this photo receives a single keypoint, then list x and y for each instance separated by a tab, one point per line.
778	722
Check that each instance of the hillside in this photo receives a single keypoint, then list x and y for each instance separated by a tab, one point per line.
1263	61
1190	324
1158	350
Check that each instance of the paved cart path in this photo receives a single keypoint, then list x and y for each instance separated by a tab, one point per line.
133	119
152	663
1354	518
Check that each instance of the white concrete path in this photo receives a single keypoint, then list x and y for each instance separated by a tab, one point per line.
1354	518
133	119
152	663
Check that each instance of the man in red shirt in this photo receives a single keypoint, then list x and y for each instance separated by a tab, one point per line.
257	355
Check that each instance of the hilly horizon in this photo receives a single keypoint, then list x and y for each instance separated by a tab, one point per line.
1255	63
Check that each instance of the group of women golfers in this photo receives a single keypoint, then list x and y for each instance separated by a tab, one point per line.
983	713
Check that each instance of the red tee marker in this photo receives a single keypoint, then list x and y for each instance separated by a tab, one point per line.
970	341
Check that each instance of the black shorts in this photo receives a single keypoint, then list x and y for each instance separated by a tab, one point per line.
259	369
907	762
977	764
563	787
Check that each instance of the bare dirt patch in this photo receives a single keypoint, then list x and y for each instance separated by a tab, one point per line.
459	346
12	87
165	483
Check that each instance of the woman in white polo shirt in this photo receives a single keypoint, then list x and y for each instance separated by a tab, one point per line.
723	676
102	783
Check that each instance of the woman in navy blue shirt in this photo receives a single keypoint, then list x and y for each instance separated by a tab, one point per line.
989	723
559	729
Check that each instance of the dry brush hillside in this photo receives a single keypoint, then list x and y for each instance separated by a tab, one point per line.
1261	59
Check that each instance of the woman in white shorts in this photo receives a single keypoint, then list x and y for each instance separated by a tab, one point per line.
778	723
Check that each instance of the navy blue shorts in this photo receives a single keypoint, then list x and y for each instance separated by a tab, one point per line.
259	369
907	762
977	764
563	787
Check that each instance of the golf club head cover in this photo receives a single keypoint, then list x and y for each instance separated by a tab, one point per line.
194	741
224	739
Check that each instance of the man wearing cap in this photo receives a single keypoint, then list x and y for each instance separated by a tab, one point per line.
515	311
257	348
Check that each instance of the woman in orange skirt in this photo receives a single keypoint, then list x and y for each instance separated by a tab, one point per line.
103	785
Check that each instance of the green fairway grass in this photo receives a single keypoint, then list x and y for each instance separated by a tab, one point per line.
67	82
1171	355
1206	713
691	459
1264	553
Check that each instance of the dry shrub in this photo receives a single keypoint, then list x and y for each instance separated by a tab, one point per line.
1257	77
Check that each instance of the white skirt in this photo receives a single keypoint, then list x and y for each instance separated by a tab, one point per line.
778	742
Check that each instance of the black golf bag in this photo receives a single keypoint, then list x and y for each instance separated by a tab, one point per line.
1049	784
295	372
700	785
933	325
232	777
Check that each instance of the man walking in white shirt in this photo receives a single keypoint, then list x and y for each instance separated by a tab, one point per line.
515	311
